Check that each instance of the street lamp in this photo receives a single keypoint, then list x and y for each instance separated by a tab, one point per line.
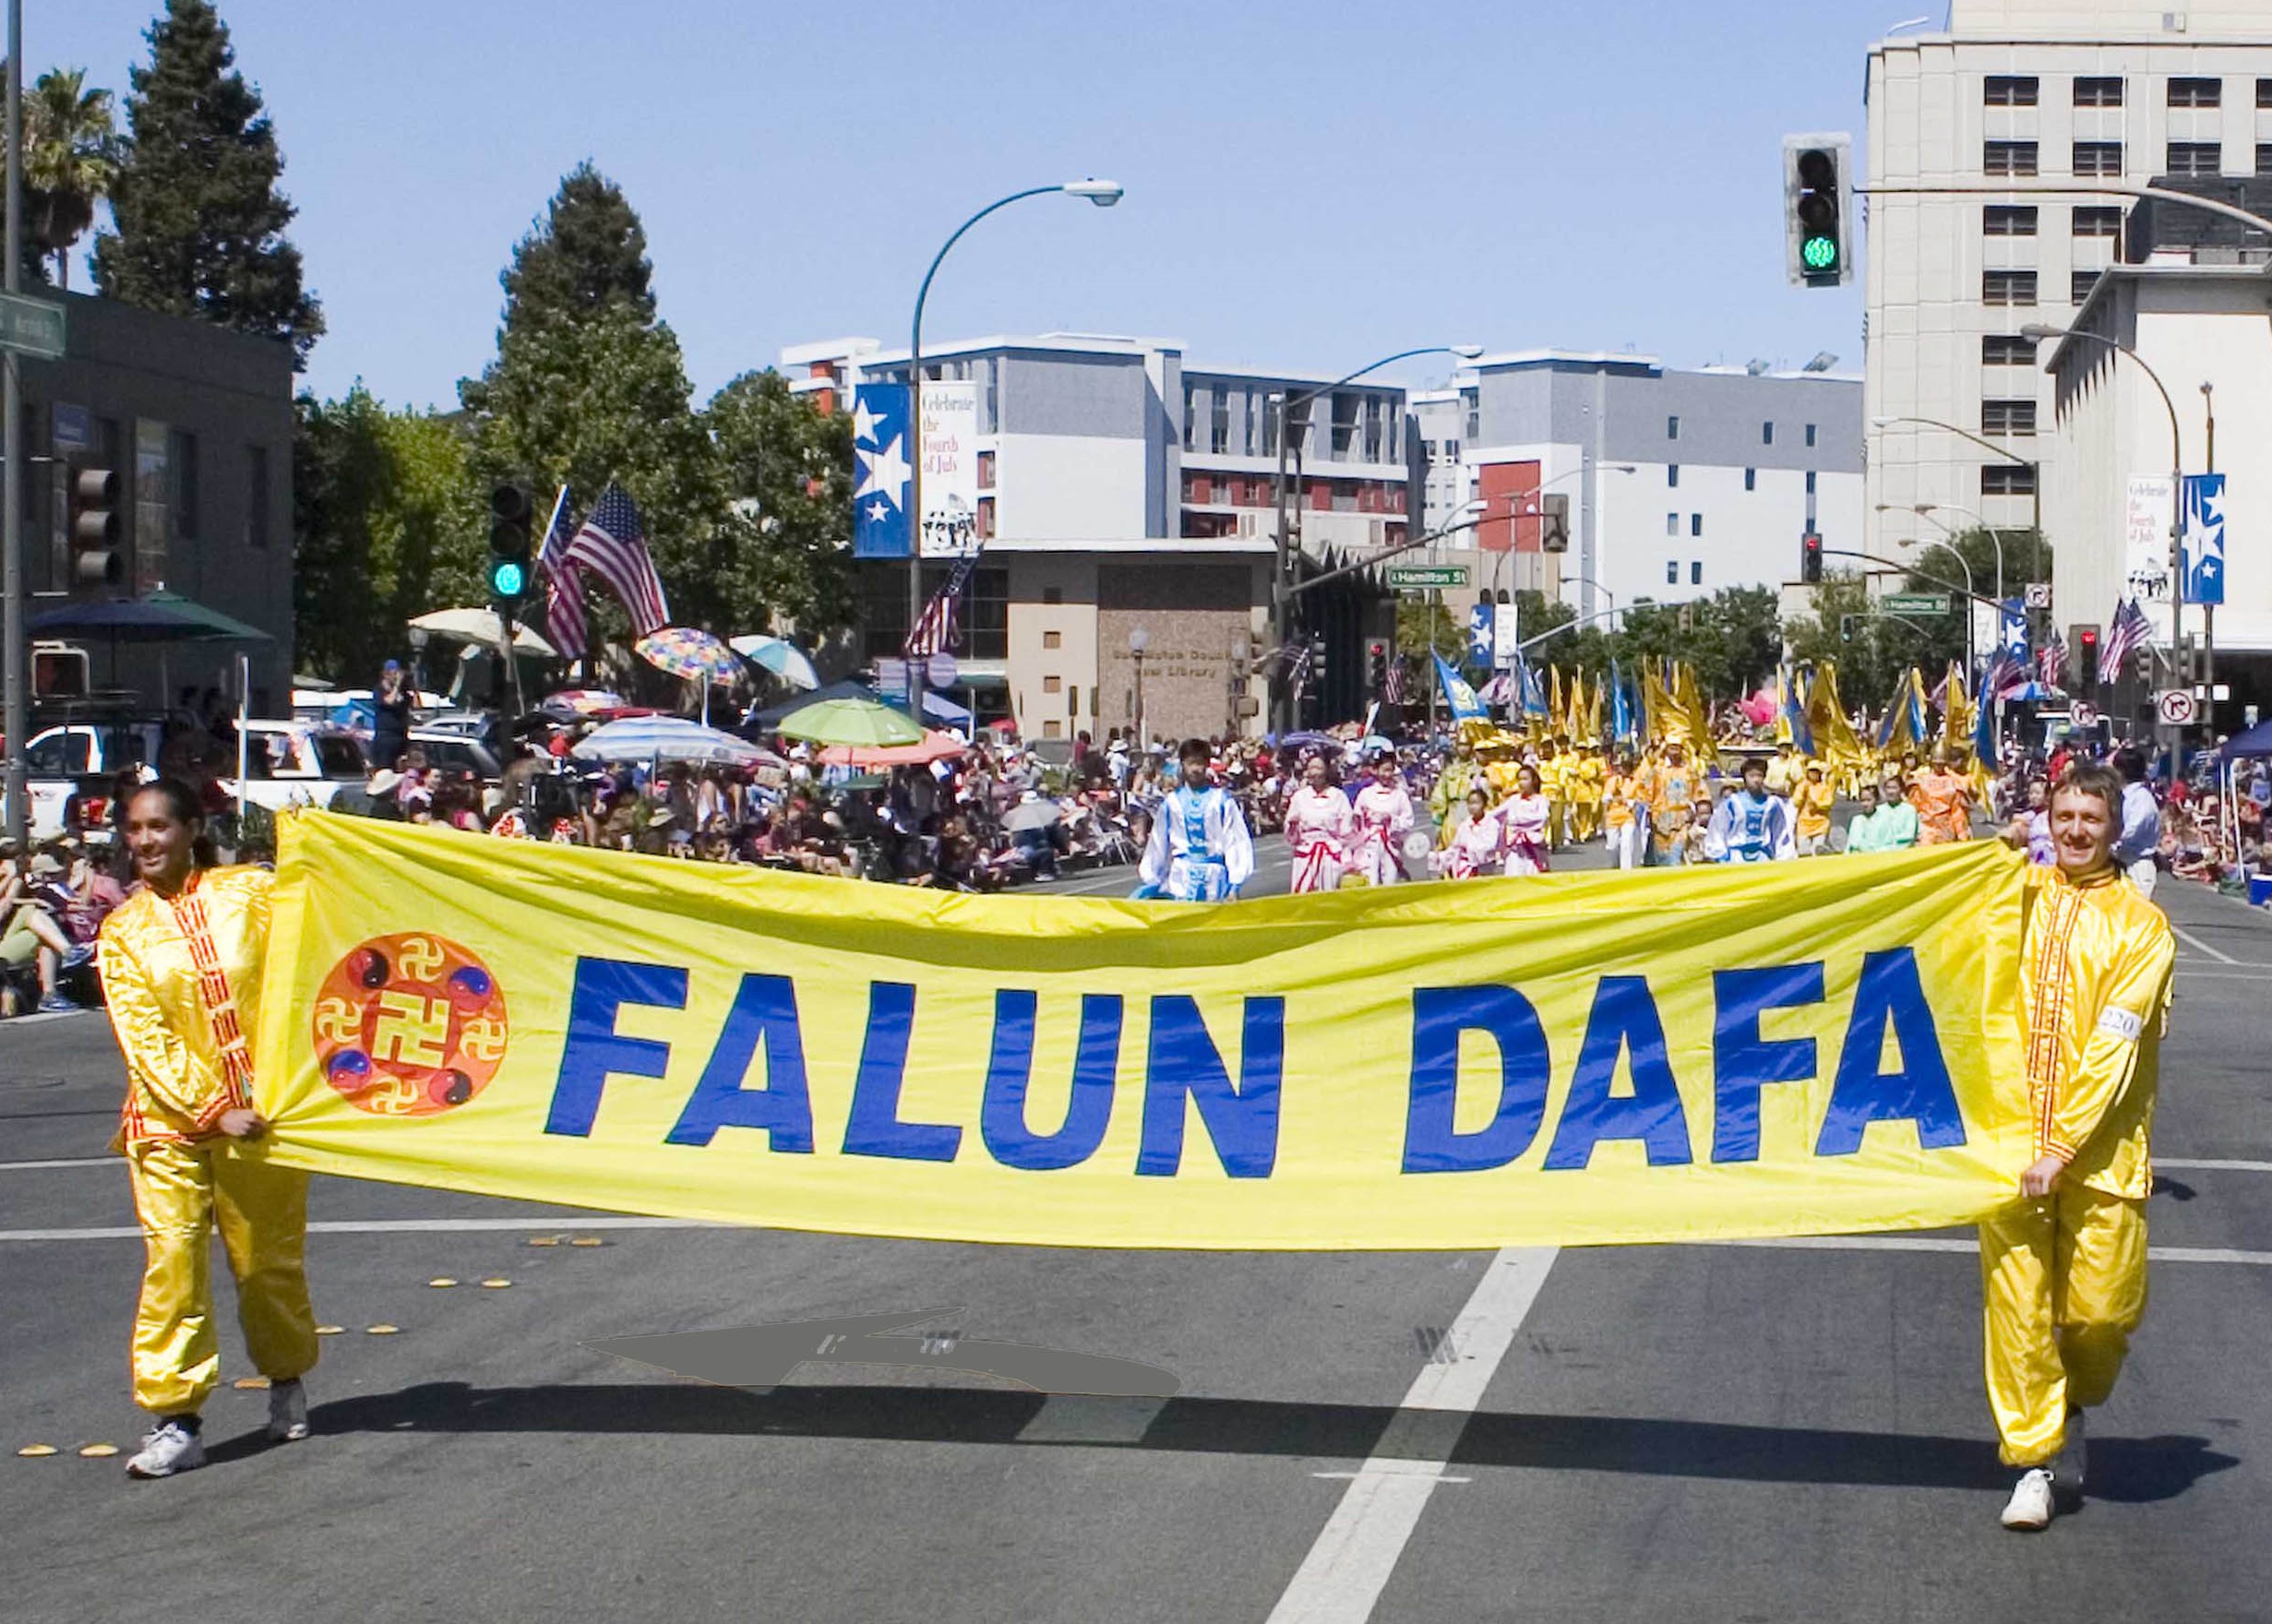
2037	332
1284	404
2035	480
1139	640
1103	194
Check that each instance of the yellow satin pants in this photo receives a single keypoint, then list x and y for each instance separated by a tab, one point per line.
1558	813
2064	1284
181	1193
1585	820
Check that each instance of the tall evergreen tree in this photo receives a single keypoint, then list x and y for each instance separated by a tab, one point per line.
200	225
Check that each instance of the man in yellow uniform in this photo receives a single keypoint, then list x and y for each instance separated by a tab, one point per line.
1587	779
1624	796
2062	1270
1554	783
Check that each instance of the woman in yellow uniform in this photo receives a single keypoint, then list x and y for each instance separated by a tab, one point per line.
1811	799
181	971
1588	781
2062	1269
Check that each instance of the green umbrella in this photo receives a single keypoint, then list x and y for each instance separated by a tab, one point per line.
217	625
850	722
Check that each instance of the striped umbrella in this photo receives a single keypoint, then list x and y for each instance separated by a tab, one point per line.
670	738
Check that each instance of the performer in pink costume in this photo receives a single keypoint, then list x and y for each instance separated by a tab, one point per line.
1478	846
1383	818
1319	825
1527	813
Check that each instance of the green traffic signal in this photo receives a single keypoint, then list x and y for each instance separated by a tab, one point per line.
1819	253
509	577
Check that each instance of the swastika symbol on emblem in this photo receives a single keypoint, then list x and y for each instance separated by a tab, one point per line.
337	1021
421	957
412	1029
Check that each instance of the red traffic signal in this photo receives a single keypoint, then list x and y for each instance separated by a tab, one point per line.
1811	559
2087	655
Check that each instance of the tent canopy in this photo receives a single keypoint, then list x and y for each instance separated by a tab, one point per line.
2255	742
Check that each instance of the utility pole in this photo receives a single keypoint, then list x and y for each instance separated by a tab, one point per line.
2208	611
15	715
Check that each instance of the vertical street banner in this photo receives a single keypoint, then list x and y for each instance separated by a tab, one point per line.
1756	1049
1482	642
950	458
2145	538
1506	638
2203	538
882	456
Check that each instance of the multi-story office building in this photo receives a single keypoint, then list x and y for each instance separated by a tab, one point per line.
2056	91
1679	483
1122	493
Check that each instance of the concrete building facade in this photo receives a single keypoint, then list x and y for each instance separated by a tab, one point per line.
2050	91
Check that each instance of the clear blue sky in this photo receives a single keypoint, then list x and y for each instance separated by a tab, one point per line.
1309	185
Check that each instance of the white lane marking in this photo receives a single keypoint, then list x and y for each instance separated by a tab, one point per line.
2188	972
2194	942
402	1226
1349	1565
2211	1164
64	1161
1927	1243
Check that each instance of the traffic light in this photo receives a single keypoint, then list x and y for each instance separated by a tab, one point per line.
1814	169
509	569
1375	665
1317	663
1811	559
92	524
1848	626
1554	523
2087	655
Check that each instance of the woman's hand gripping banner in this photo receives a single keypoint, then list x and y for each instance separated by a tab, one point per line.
1766	1049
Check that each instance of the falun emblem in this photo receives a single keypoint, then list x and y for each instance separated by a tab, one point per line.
410	1025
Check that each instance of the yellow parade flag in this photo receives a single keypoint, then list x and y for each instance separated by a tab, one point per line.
1748	1050
1555	713
1956	714
1689	696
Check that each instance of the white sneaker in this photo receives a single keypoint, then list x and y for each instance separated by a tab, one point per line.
2067	1470
2029	1509
169	1448
288	1411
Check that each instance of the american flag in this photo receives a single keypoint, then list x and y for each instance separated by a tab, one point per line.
612	544
2124	636
1394	687
934	628
2052	662
2007	675
564	586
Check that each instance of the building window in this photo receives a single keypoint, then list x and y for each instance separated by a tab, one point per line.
985	518
2079	284
2008	157
2007	417
1190	419
1053	640
2008	219
1672	473
2264	158
2093	221
1450	451
255	495
1672	572
153	497
2103	158
1672	524
1695	524
1809	482
1256	409
2098	93
1372	428
1750	479
2007	350
2195	158
1049	684
2264	92
2007	479
1219	422
2196	92
1695	572
1810	434
1343	425
1672	428
2007	287
1473	401
986	472
2007	89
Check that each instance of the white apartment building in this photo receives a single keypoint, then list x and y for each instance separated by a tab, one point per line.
2049	90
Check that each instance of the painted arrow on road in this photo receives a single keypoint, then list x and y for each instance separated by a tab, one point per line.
762	1356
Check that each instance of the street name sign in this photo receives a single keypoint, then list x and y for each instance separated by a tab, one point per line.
32	327
1420	577
1915	603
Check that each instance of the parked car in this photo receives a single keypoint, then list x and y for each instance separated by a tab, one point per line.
81	758
455	752
294	763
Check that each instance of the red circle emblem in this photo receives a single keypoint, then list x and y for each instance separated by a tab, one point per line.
410	1025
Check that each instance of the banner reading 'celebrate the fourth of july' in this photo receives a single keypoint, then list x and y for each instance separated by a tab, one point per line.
1769	1049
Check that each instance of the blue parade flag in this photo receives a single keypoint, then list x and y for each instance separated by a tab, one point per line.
1482	635
1621	710
1534	692
2203	538
1460	697
1795	712
884	469
1984	719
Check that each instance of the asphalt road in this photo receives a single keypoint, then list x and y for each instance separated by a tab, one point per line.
1713	1433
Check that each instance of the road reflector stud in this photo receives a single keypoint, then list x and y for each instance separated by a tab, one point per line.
381	1330
250	1384
496	1283
330	1330
99	1452
441	1279
33	1451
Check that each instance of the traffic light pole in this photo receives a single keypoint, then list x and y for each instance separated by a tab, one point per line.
16	712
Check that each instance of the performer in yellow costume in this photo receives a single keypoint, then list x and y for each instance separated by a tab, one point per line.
1554	782
1672	789
181	971
2063	1270
1588	780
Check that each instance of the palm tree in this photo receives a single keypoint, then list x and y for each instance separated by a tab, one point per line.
70	157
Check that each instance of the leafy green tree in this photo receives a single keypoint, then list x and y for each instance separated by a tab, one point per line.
390	523
70	158
788	467
588	257
200	225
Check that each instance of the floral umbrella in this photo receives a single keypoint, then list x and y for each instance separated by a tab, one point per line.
684	650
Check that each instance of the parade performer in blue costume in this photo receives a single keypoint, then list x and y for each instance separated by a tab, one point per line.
1200	850
1752	826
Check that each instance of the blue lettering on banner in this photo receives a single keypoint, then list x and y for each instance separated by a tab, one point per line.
763	1015
1010	1072
1742	1061
594	1051
1623	1018
1183	1062
1890	991
1432	1143
874	1128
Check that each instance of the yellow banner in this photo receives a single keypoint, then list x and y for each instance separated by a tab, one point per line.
1770	1050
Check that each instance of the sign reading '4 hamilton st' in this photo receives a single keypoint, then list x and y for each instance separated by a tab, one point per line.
32	327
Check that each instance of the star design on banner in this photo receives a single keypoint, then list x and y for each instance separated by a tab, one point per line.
884	473
863	422
878	510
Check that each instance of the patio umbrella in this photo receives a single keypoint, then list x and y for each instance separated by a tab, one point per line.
935	745
1035	814
670	738
773	716
694	654
481	626
575	702
142	620
850	722
778	656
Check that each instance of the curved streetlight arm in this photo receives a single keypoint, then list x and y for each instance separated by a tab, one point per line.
924	293
2177	453
1886	422
1287	402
